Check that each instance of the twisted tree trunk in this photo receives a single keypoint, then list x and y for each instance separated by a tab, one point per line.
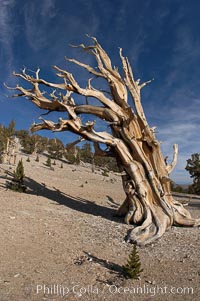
149	204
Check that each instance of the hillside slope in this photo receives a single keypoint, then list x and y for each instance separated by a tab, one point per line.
62	234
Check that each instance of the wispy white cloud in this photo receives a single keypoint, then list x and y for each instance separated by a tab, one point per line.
186	134
48	8
185	54
6	32
176	110
50	25
37	21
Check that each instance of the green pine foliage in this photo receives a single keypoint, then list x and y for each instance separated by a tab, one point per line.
86	154
7	135
55	148
105	173
133	267
193	167
78	158
32	143
48	162
17	183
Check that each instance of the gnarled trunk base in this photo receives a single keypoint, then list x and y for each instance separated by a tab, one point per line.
150	220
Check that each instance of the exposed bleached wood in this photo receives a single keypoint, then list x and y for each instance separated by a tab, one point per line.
171	166
102	153
72	144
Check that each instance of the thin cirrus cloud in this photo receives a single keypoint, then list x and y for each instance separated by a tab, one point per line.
6	32
38	17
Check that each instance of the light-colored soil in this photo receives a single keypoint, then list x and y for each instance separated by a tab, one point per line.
61	235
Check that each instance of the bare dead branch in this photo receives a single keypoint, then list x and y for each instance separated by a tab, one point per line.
87	67
171	166
72	144
102	153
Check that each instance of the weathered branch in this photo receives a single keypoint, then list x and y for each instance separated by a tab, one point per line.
88	92
171	166
117	87
134	88
102	153
85	131
72	144
87	67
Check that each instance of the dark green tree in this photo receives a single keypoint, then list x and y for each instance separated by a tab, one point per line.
77	156
32	143
133	267
55	148
7	135
17	183
48	162
22	134
86	154
72	154
37	159
193	167
10	130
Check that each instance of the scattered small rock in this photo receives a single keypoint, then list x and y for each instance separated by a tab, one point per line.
12	217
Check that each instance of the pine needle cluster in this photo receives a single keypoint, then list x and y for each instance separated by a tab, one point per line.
133	267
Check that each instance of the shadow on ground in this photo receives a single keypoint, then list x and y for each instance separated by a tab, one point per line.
194	204
116	271
111	266
75	203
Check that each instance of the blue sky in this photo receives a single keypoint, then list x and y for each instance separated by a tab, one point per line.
160	37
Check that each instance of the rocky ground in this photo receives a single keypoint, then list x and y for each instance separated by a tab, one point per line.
60	241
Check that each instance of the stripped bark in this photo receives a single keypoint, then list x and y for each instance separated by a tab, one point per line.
145	176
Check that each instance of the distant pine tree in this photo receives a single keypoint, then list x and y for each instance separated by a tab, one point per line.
105	173
133	267
17	183
193	166
48	162
78	159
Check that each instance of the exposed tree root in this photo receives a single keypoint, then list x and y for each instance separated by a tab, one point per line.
182	216
151	221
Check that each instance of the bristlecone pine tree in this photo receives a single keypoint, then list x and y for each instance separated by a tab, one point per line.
193	166
145	175
48	162
17	183
37	159
133	267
